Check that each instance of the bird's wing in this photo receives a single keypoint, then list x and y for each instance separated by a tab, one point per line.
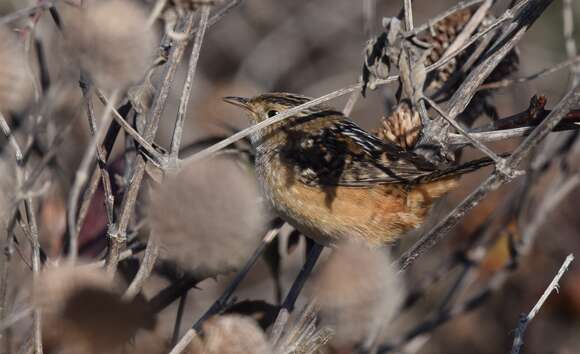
342	154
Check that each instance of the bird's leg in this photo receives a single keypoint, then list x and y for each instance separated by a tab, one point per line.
305	272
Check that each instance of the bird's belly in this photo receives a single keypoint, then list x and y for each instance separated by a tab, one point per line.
328	215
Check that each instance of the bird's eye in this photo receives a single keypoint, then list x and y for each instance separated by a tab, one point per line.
272	113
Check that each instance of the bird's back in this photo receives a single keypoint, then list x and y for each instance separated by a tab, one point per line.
324	176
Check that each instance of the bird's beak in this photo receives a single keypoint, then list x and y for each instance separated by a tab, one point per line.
238	101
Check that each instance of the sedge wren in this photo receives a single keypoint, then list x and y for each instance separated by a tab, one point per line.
333	181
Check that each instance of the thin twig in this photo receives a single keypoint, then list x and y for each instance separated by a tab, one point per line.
27	11
525	320
508	15
493	182
480	243
558	191
11	139
212	20
101	153
32	227
149	259
469	27
350	103
48	156
570	43
186	93
452	10
17	317
87	200
205	153
178	318
430	324
221	13
153	153
171	293
526	13
224	298
210	151
408	10
128	253
298	284
290	300
474	141
523	14
183	342
9	241
82	176
117	234
36	314
539	74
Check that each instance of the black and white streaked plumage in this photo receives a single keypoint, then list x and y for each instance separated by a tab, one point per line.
326	148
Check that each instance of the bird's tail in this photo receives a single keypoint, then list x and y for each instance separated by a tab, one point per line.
455	171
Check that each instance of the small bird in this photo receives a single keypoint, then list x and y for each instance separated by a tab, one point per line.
335	182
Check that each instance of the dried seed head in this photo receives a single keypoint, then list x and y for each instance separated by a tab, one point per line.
301	333
16	85
444	34
230	334
402	127
208	217
83	312
110	40
357	291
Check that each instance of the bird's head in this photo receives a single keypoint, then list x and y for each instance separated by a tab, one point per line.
262	107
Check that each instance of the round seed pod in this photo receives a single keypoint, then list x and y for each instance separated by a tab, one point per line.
110	41
357	292
209	217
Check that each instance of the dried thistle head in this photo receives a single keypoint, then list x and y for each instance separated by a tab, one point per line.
16	85
230	334
83	312
357	292
402	127
109	40
209	217
300	333
443	34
